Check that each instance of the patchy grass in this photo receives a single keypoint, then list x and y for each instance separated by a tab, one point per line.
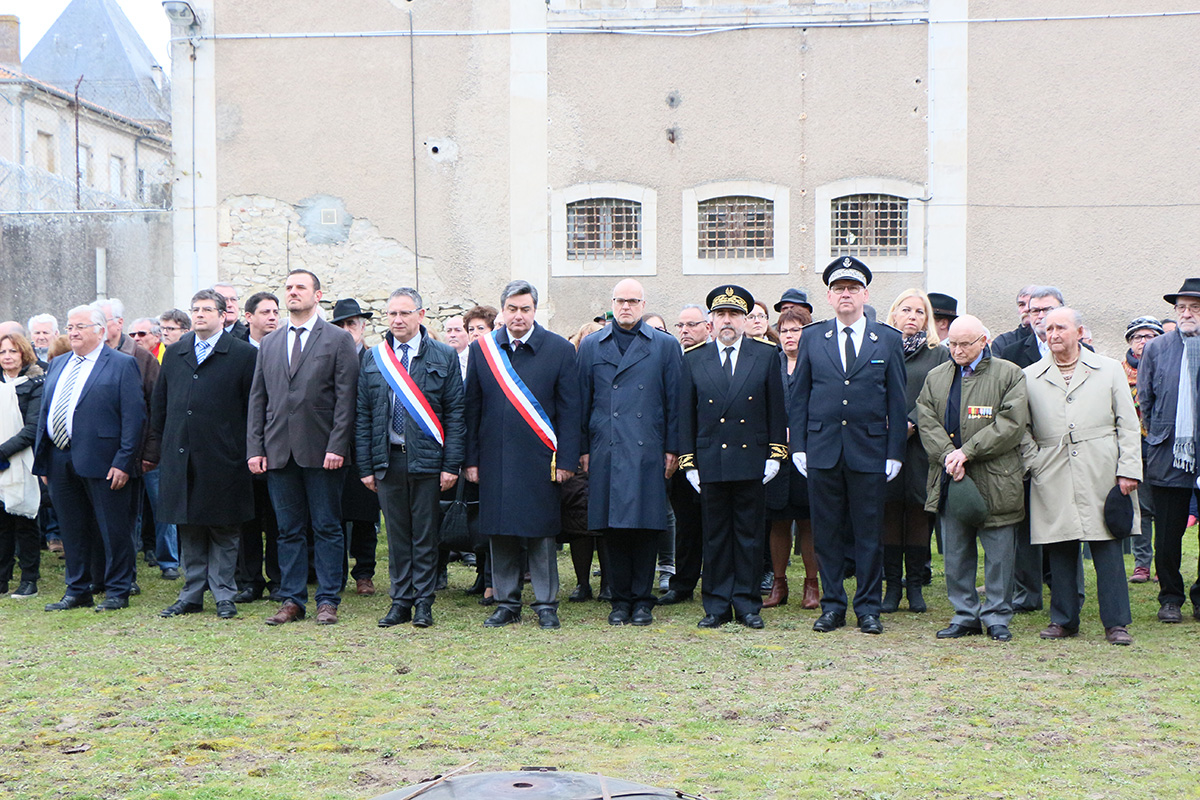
128	705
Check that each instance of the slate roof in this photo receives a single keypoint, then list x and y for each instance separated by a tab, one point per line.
94	39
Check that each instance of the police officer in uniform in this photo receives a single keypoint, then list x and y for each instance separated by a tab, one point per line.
848	432
733	429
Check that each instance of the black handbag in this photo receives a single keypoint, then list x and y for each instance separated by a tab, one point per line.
459	530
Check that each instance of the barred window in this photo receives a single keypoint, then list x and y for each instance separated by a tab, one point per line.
736	227
604	229
869	225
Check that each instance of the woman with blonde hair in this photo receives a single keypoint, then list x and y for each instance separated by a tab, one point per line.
906	524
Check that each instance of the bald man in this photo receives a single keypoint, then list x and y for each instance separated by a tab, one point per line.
971	414
629	385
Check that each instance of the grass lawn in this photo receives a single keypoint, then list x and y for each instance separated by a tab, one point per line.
128	705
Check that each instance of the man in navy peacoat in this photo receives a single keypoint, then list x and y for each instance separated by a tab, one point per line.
848	432
629	388
518	473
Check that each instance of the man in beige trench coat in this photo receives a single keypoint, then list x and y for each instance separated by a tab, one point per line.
1084	438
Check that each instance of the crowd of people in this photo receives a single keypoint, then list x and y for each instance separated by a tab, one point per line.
253	451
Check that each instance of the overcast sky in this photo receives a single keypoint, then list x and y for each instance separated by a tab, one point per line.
146	15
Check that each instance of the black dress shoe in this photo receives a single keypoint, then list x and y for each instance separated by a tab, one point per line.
501	617
956	631
112	604
870	624
134	589
179	608
170	574
226	609
829	621
396	615
70	601
999	633
548	619
248	595
618	616
671	597
712	621
753	621
582	592
641	616
422	615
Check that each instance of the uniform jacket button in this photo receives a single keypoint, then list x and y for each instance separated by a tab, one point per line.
744	447
724	446
614	386
750	398
639	416
742	421
845	402
722	420
181	449
847	383
843	422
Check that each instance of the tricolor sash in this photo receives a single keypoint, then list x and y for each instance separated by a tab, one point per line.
407	392
517	392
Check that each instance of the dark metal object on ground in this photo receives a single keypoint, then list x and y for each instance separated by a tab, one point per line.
531	785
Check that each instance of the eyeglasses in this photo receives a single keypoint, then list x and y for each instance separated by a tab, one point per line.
853	288
963	345
170	328
139	334
762	317
1143	337
681	325
627	301
1188	308
1037	312
790	330
403	314
80	328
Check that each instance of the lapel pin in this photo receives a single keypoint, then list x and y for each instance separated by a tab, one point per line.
828	334
874	338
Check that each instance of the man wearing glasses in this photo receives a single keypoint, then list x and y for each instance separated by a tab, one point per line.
173	323
1166	393
848	432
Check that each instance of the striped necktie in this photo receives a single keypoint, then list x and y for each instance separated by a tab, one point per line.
202	350
58	425
397	406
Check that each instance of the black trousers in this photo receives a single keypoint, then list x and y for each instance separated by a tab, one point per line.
1170	523
411	516
734	515
632	558
1112	593
362	539
258	534
19	536
836	496
689	535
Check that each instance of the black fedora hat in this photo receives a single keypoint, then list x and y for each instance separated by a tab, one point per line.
1190	288
797	296
348	308
943	305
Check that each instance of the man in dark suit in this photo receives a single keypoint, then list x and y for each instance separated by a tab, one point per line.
1168	402
299	432
629	386
848	432
409	448
197	425
733	433
522	411
88	441
1001	342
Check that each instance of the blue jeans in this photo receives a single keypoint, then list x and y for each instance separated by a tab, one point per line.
304	496
166	537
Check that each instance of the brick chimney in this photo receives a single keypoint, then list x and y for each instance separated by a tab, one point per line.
10	42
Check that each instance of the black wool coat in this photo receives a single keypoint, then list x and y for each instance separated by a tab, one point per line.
198	433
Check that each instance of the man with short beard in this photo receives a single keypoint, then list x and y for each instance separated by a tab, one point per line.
733	434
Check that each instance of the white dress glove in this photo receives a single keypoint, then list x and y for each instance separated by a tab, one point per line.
693	477
801	462
770	471
892	468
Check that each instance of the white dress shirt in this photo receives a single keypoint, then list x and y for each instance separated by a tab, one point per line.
737	349
85	370
303	333
858	330
414	347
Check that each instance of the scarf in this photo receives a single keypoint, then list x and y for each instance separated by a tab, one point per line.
914	343
1131	359
19	490
1185	406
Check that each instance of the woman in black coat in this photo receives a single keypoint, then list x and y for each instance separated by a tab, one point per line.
18	533
787	495
906	524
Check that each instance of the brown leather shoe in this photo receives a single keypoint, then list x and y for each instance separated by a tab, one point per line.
812	594
1117	635
365	587
288	612
1056	631
779	593
327	614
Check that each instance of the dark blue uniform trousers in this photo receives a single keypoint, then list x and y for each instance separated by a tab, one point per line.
836	496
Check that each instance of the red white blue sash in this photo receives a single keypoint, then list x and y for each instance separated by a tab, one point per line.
407	392
517	392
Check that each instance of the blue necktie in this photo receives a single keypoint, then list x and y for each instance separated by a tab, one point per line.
202	350
397	406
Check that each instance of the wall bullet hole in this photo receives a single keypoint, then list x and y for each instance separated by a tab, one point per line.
433	149
672	135
673	99
918	80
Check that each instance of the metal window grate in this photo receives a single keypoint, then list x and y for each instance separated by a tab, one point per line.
604	229
869	225
736	227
